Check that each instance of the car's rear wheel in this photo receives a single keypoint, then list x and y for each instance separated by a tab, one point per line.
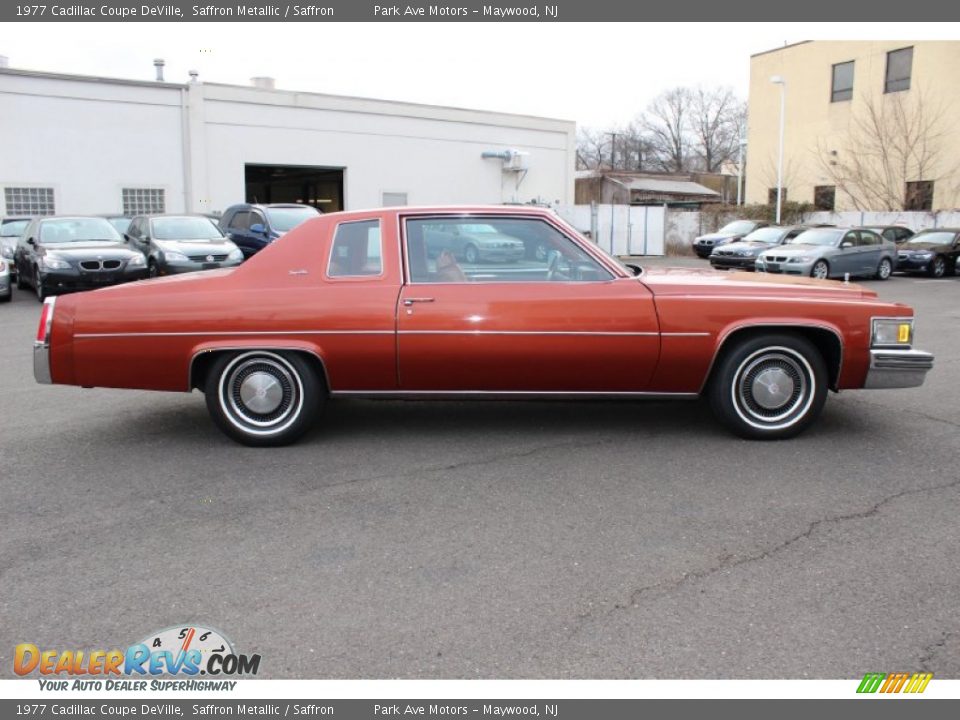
884	269
820	270
938	267
152	270
263	398
769	387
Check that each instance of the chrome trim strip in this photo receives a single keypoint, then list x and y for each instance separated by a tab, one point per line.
230	333
745	326
323	365
523	332
897	369
508	394
771	298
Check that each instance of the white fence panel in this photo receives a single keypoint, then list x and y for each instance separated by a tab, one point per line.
620	229
913	220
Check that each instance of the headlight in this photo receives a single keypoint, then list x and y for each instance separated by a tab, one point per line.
136	261
923	255
52	262
7	252
235	254
801	259
175	256
892	332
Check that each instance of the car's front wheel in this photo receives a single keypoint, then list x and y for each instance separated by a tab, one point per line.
264	398
471	254
769	387
884	269
820	270
38	285
938	268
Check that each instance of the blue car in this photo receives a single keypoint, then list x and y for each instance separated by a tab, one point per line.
253	226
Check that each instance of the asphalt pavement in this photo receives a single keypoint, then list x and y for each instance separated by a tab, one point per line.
493	540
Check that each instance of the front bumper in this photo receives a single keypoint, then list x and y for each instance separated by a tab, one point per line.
897	369
908	263
180	267
703	251
72	278
733	262
785	268
41	363
502	254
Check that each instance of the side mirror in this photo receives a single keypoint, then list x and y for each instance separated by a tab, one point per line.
846	244
31	241
258	228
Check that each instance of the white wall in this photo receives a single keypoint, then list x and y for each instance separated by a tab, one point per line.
89	140
912	220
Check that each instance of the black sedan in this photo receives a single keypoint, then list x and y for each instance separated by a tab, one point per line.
933	252
730	232
59	254
742	254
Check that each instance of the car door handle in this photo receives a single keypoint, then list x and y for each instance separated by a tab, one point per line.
410	301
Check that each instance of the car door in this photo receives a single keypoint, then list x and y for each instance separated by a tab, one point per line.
238	230
955	250
567	324
845	258
869	250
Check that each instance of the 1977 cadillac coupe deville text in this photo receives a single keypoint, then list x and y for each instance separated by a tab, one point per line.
353	305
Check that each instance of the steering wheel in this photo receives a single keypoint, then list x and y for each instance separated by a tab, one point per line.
553	265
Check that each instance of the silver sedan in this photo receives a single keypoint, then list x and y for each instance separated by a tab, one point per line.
830	253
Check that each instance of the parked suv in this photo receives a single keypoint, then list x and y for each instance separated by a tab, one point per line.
252	227
181	243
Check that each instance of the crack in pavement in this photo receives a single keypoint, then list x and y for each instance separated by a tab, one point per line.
729	562
931	650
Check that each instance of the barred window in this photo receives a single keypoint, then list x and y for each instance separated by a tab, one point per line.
144	201
32	201
824	197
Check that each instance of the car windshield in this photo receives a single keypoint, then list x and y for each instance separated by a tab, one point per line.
764	235
122	224
284	219
935	238
185	228
737	227
13	228
77	230
823	236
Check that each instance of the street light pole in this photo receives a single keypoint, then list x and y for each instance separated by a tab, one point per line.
778	80
743	142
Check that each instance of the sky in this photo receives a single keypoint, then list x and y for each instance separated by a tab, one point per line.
598	74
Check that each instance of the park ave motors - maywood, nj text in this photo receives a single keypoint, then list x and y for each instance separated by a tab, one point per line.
172	11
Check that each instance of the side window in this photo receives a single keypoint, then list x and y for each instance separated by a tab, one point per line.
793	233
133	230
357	250
850	237
903	234
495	249
256	218
240	220
868	238
29	232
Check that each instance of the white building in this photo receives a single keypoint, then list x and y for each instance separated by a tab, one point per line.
73	144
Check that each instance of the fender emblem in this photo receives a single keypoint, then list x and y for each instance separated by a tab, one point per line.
301	271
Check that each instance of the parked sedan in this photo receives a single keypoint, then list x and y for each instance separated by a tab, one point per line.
59	254
730	232
934	252
181	243
742	254
253	226
351	305
6	288
473	242
830	252
11	228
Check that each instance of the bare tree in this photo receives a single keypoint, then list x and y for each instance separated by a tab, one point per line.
716	118
892	140
666	125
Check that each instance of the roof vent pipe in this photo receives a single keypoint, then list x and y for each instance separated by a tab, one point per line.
158	64
193	75
263	82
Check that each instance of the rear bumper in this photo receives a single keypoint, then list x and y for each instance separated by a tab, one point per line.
41	363
897	369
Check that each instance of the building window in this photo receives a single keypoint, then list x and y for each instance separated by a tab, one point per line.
32	201
842	88
394	199
144	201
824	197
919	195
772	196
899	67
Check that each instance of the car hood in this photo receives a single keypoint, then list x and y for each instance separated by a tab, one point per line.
93	249
686	281
196	247
751	246
794	249
718	236
493	237
919	247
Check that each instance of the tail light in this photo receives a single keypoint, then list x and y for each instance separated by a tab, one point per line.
46	322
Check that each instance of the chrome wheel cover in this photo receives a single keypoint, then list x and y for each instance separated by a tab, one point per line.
773	388
820	270
260	393
885	269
